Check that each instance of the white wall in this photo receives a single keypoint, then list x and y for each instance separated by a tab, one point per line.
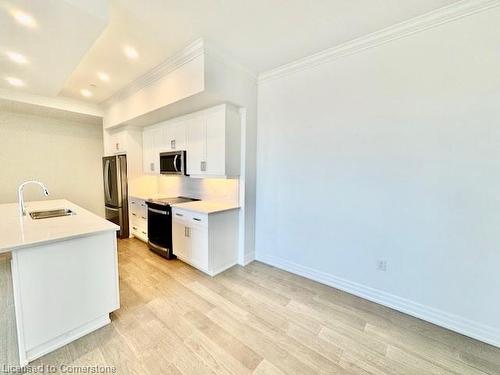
64	155
391	154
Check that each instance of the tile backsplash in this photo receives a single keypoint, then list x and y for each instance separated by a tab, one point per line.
218	190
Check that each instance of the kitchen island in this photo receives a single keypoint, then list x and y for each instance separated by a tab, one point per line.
64	274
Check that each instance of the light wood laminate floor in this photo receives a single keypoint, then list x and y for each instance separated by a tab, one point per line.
252	320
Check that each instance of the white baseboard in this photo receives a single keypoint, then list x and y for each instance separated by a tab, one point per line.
441	318
65	339
249	258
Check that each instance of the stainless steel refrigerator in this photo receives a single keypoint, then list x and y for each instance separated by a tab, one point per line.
115	192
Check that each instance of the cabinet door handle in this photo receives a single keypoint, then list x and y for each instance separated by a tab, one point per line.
144	233
176	214
142	217
203	166
117	146
134	228
172	144
152	167
196	219
133	214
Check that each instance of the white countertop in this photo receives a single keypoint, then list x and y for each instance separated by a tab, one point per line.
18	232
145	197
206	207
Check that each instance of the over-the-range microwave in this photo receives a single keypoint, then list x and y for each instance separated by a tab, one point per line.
173	162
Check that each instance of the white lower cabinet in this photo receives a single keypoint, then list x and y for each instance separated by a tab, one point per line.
179	238
138	216
208	242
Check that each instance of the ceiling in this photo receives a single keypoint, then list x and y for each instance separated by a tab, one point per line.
260	34
53	41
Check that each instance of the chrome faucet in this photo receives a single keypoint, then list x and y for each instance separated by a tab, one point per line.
20	194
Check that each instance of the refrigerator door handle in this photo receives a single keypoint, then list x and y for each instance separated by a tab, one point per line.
106	181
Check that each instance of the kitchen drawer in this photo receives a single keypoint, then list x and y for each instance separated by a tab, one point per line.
140	233
138	209
189	217
138	217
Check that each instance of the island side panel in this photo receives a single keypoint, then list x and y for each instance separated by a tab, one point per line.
63	291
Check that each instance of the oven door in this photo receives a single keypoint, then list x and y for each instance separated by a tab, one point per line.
160	226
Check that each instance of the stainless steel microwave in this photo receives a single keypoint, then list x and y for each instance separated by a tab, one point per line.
173	162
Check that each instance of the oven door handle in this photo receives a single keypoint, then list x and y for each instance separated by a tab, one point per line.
157	211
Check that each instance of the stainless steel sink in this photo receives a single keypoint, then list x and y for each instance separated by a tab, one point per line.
36	215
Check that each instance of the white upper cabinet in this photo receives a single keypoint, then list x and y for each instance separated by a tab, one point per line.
196	136
215	159
127	140
150	153
176	136
213	143
172	136
116	143
210	137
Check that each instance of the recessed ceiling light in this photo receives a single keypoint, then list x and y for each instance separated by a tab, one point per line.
15	81
86	93
103	76
16	57
23	18
131	52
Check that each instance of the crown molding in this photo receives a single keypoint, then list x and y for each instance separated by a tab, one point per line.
182	57
400	30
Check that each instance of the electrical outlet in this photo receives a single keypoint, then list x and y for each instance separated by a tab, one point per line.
382	265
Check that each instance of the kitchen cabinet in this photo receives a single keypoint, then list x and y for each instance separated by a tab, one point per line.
208	242
126	140
196	154
213	143
180	237
117	143
175	136
172	136
211	138
151	138
138	216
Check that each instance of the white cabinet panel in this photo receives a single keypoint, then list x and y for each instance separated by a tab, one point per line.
176	136
198	236
196	140
215	130
151	156
180	243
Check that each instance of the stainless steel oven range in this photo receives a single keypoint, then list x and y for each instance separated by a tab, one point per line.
160	225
